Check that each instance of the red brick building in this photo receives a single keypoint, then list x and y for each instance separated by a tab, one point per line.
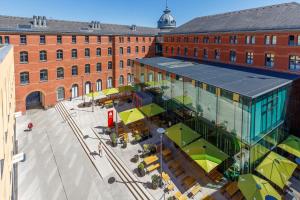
56	60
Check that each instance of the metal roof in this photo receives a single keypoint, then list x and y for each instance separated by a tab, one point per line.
275	17
24	24
245	81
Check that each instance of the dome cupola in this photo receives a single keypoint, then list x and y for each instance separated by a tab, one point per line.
166	21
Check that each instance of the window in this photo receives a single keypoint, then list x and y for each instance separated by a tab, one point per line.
233	39
44	75
121	50
109	65
186	39
196	39
294	63
128	62
109	51
166	50
98	85
121	64
87	68
99	39
74	39
143	49
121	80
249	58
142	78
74	70
129	79
60	73
98	67
269	60
86	39
144	39
128	50
178	39
185	51
136	39
59	39
291	40
232	56
87	52
128	39
178	51
121	39
1	41
252	39
136	49
6	39
109	82
98	52
23	57
205	53
110	39
206	39
59	54
267	39
248	38
172	51
60	94
74	53
298	40
274	39
24	77
217	54
42	39
23	39
43	55
218	39
195	52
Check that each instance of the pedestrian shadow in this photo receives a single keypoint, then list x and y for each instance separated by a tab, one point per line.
94	153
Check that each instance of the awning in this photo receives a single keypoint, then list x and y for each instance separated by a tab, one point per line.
130	116
276	169
181	134
110	91
291	145
185	100
253	187
126	88
205	154
151	110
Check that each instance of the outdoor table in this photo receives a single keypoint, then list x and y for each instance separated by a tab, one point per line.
165	177
166	152
150	159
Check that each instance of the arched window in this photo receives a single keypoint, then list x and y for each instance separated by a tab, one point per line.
24	77
74	90
59	54
109	51
87	69
98	85
87	52
121	64
60	72
60	94
121	80
88	87
74	70
23	56
128	78
43	55
44	75
74	53
121	50
128	50
98	52
109	82
109	65
128	62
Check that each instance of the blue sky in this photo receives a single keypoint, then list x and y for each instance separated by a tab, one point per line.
140	12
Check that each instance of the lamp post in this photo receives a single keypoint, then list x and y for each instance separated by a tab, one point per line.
116	123
92	90
82	86
161	131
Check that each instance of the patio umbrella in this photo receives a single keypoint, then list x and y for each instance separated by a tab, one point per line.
276	169
205	154
181	134
151	109
255	188
130	116
126	88
184	99
110	91
97	95
291	145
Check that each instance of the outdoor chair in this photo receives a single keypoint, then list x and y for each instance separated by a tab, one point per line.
170	187
195	190
178	172
152	167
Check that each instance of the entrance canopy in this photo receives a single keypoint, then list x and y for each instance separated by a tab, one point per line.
291	145
276	169
206	155
130	116
151	110
110	91
253	187
181	134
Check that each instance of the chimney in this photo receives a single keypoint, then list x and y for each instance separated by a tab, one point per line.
34	20
133	27
39	21
98	25
44	22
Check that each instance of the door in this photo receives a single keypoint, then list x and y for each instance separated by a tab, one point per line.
74	91
87	87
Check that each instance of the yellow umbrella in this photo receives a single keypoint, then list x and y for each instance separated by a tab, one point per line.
110	91
291	145
151	109
276	169
130	116
255	188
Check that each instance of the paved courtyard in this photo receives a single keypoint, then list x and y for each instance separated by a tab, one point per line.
56	166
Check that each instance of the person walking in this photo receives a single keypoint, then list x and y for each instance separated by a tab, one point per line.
100	148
